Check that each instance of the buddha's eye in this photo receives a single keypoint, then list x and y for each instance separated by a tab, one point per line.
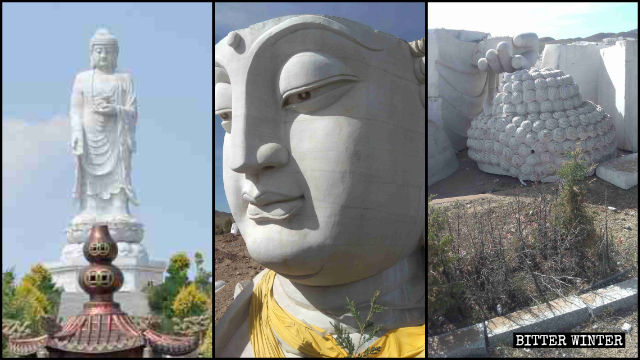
226	120
318	96
297	98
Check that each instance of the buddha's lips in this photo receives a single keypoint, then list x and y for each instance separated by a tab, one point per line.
274	210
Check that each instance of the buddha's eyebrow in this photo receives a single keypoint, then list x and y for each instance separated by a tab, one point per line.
366	38
221	75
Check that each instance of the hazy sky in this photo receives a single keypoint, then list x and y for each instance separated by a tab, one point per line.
168	50
404	20
557	20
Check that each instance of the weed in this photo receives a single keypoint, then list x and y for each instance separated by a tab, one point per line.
367	330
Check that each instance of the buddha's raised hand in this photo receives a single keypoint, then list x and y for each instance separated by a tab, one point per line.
507	54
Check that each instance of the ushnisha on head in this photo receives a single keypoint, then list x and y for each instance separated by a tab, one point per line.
103	49
537	117
323	157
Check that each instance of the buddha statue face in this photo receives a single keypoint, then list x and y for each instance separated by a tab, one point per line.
104	57
323	157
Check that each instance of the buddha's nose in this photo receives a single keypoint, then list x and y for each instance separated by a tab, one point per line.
264	157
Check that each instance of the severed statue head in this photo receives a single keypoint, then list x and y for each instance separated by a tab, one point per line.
324	151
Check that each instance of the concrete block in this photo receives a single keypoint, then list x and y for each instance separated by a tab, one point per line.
618	90
621	172
555	316
583	62
607	74
464	342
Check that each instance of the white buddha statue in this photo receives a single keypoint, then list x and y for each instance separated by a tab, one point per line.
324	172
103	121
103	117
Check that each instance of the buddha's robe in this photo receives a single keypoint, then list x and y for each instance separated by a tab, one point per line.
104	167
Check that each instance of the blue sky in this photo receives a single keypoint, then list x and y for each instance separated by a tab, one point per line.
168	50
557	20
404	20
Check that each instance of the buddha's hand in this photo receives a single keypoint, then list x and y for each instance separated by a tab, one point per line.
105	109
77	143
520	52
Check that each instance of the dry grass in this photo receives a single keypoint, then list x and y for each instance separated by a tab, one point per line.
510	252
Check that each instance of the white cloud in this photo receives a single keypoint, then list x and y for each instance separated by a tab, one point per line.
26	145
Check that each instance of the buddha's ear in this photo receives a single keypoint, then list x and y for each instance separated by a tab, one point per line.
417	51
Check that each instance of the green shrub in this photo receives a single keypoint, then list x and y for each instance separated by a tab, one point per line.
227	226
569	212
443	293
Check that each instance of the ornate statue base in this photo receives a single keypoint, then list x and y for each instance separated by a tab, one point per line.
133	260
123	229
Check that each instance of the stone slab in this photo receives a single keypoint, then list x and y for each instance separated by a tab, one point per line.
220	284
621	172
467	342
558	315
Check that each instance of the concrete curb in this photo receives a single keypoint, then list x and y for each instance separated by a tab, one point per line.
557	315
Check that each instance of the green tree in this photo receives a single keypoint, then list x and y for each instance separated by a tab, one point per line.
202	276
8	291
35	297
570	213
161	297
190	302
41	279
8	312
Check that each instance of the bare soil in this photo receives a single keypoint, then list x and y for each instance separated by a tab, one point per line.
232	264
468	180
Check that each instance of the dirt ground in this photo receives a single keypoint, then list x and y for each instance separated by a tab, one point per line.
232	264
468	180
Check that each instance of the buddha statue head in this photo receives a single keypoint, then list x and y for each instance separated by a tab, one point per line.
324	151
104	50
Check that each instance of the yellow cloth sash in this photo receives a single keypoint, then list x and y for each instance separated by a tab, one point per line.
267	317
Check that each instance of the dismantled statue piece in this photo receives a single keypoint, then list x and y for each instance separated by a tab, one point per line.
442	160
537	117
459	64
323	168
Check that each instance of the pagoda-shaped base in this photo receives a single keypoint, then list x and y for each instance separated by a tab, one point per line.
103	329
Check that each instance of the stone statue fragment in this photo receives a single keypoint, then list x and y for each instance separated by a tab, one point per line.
323	166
